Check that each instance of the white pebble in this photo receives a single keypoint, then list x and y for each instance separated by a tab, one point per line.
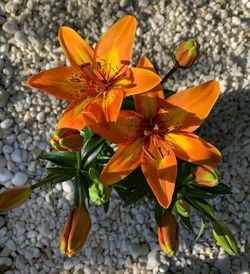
19	179
10	26
5	175
6	123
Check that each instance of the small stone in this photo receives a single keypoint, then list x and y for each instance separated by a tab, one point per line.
209	17
236	20
153	260
67	186
20	262
20	227
1	221
10	26
124	3
6	123
41	117
20	37
5	261
19	179
4	96
247	217
16	156
143	3
5	175
223	262
44	230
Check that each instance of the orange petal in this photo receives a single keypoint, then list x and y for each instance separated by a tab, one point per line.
74	47
106	105
128	127
66	83
159	167
125	160
114	50
148	103
72	116
191	148
138	80
187	109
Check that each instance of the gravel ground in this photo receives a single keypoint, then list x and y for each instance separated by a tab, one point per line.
124	241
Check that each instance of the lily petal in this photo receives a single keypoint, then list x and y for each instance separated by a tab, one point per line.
106	105
72	116
191	148
125	160
66	83
114	50
138	80
159	167
76	50
128	127
148	103
187	109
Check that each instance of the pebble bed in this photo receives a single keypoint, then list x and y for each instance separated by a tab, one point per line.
124	240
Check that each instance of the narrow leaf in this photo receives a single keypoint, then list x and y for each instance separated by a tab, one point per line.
201	230
60	158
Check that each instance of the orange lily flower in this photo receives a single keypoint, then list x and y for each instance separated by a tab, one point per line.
99	79
157	133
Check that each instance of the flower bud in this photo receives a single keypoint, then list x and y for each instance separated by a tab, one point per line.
75	231
186	54
67	139
14	197
168	233
99	192
206	175
182	207
224	237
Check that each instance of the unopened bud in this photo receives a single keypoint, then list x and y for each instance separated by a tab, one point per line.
67	139
168	233
206	175
75	231
14	197
99	192
187	54
182	207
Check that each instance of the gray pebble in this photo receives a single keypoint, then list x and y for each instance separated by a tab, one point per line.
6	123
5	175
19	179
10	26
4	96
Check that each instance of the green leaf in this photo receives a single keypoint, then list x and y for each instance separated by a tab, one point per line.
137	194
70	171
196	193
186	221
55	178
91	149
168	93
219	189
201	230
87	133
203	207
122	191
67	159
51	196
128	104
224	237
159	211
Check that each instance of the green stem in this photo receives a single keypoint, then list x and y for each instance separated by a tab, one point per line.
171	72
78	158
78	180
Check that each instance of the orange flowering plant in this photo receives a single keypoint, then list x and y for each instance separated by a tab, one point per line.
124	133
